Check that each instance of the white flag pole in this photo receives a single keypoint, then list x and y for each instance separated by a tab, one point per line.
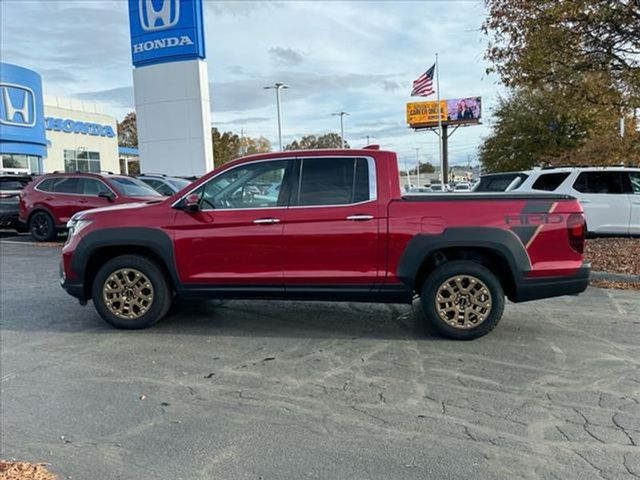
439	117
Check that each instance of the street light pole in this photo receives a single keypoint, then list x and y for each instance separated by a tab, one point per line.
368	137
341	115
277	87
418	165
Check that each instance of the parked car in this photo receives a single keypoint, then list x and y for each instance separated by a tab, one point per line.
47	204
439	188
164	184
340	229
421	190
610	196
10	188
462	187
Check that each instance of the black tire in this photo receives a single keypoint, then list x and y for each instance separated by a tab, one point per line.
444	272
42	227
161	292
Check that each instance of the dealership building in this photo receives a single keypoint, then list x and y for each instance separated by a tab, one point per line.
171	93
41	134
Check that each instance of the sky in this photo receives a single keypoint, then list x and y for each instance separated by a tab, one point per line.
359	57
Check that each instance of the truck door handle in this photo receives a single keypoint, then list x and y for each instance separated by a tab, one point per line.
266	221
360	218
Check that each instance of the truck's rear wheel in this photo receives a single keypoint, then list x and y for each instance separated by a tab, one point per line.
463	300
131	292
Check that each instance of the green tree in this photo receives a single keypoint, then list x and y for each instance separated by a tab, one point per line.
251	145
315	142
573	67
228	146
541	128
427	167
577	46
128	131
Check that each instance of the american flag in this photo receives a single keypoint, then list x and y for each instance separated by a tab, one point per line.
423	85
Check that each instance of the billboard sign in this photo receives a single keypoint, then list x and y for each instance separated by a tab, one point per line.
457	111
165	31
21	111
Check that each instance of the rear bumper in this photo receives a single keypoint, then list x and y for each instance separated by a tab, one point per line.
8	214
547	287
9	220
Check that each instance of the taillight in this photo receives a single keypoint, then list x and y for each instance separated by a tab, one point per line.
576	230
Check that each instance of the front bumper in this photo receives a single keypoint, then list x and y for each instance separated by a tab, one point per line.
548	287
74	287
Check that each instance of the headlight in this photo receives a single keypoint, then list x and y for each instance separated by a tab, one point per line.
74	225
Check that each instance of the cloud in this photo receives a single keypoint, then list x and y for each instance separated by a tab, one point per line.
121	97
286	56
243	121
390	86
243	95
364	57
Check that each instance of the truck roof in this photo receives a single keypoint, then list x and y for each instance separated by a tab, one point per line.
323	152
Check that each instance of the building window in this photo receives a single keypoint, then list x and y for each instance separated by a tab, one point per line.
81	161
21	163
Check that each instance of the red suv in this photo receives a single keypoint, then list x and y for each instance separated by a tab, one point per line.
47	203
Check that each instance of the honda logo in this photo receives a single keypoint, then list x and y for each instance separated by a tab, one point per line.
18	105
166	17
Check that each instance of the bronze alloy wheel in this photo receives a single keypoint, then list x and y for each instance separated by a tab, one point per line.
463	302
127	293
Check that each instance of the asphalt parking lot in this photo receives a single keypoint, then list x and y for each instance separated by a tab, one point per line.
258	390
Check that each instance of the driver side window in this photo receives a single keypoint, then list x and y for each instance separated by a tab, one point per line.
255	185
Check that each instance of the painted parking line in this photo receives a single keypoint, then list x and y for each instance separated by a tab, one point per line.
36	244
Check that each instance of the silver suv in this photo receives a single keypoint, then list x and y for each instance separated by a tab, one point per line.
164	184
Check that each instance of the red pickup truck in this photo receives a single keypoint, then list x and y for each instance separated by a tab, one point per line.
326	225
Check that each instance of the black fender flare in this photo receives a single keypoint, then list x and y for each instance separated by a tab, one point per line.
152	239
502	242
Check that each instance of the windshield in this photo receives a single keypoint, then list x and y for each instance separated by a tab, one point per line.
500	182
131	187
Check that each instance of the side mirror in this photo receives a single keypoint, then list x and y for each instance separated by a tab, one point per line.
192	203
108	195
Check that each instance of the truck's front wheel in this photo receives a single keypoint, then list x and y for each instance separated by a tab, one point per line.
463	300
131	292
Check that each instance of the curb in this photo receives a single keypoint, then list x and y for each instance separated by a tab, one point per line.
615	277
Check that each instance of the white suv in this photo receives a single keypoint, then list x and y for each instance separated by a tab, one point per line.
610	196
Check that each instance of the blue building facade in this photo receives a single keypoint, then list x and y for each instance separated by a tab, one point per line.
23	143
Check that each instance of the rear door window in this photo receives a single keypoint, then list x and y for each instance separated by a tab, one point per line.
67	185
548	182
333	181
600	183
